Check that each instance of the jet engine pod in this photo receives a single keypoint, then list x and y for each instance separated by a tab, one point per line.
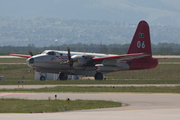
80	62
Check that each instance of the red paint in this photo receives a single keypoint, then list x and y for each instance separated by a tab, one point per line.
139	55
145	46
143	63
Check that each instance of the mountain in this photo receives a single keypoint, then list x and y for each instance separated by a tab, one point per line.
156	12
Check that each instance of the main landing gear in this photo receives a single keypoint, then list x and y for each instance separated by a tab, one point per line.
63	76
42	78
98	76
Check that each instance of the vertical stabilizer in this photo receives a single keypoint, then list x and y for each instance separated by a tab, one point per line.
141	42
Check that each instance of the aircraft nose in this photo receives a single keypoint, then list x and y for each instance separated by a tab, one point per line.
30	61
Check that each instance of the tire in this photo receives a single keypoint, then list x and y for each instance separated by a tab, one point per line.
98	76
63	76
42	78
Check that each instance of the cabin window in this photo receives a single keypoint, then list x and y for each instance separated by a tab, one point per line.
51	53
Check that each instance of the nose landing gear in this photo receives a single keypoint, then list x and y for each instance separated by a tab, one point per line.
43	76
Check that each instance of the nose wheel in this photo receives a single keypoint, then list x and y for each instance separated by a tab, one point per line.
98	76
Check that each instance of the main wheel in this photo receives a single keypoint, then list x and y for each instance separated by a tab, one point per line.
42	78
98	76
63	76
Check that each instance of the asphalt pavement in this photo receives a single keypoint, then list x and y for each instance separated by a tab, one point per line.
139	107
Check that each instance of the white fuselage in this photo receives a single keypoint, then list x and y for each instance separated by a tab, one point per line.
52	61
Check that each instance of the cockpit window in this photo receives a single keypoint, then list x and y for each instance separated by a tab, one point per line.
51	53
61	54
44	52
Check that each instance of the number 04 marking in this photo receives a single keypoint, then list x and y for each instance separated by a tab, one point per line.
139	45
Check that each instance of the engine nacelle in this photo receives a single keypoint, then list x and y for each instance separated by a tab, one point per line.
80	62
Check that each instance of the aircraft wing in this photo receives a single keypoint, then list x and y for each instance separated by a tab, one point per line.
20	55
125	57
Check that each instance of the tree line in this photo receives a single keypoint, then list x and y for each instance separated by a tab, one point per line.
161	48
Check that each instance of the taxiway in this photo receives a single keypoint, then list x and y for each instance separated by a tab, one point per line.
88	85
139	106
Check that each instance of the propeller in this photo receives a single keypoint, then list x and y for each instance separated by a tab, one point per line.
70	61
30	53
69	55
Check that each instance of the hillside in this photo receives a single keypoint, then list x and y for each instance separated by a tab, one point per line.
156	12
43	31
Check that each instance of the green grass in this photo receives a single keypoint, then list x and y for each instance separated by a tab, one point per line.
13	60
100	89
15	72
161	72
54	82
39	106
170	60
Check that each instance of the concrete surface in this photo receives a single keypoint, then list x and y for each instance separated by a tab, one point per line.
87	85
140	107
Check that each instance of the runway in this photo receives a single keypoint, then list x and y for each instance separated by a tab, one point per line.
139	106
88	85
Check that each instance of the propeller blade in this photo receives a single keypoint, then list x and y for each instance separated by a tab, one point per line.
70	61
69	55
30	69
30	53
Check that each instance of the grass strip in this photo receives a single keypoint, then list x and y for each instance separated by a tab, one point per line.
13	60
40	106
99	89
55	82
162	72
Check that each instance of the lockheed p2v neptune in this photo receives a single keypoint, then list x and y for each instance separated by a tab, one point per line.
64	63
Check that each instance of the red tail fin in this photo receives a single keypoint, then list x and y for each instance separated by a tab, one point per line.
141	42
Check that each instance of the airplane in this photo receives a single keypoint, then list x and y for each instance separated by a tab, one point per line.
64	63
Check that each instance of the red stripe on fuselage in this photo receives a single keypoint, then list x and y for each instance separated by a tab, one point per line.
63	58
